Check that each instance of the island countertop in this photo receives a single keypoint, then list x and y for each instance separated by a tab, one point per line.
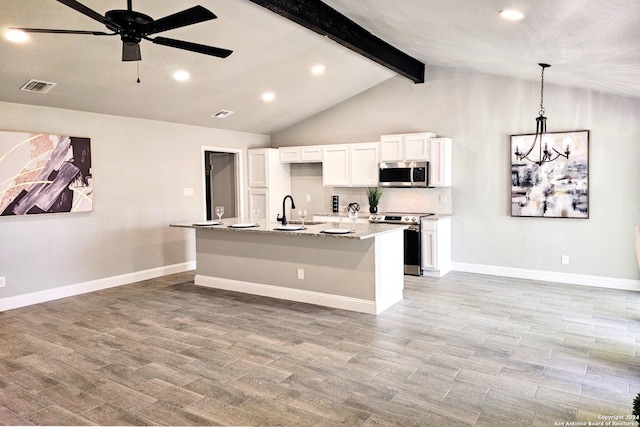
311	228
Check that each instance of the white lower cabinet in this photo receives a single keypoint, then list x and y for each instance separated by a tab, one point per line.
436	247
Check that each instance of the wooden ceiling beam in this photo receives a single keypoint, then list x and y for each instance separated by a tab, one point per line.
321	18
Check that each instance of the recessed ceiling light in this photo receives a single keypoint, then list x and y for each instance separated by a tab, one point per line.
511	14
16	36
268	96
317	69
181	75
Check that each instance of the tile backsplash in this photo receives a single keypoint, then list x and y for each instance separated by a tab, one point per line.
309	193
436	200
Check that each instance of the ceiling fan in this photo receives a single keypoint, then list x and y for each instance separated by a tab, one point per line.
134	26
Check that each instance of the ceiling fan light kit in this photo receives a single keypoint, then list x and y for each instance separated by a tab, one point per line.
133	27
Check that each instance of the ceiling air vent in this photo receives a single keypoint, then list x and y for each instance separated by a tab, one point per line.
222	114
37	86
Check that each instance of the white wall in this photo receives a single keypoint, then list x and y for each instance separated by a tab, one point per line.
480	112
140	169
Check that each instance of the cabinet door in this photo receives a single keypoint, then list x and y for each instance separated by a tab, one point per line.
440	174
289	154
429	250
258	167
311	154
258	198
364	164
391	148
416	146
335	165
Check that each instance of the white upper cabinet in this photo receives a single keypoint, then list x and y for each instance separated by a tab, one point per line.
302	154
364	164
335	165
350	165
405	147
258	159
289	154
416	146
420	147
391	148
440	162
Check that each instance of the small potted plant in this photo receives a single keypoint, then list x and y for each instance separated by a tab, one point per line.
373	194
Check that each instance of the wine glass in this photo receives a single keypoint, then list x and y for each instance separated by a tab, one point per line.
353	215
303	214
255	214
219	212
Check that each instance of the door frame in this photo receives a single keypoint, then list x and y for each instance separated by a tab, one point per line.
239	172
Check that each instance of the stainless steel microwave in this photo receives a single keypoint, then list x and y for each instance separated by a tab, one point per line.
404	174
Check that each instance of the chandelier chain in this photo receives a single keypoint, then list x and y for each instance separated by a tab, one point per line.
541	112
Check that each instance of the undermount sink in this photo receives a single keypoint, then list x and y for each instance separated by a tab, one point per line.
289	227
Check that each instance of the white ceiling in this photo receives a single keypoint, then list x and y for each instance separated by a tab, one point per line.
590	44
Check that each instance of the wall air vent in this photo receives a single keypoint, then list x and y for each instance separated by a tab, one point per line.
222	114
37	86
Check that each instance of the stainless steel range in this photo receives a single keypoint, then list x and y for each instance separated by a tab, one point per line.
412	237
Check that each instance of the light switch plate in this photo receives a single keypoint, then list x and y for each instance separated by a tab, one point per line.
3	282
188	191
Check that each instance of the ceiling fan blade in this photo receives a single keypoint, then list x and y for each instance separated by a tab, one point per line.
181	19
49	31
131	52
73	4
193	47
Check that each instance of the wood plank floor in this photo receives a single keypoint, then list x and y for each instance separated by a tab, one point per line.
463	350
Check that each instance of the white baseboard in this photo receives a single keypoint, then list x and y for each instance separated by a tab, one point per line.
549	276
299	295
18	301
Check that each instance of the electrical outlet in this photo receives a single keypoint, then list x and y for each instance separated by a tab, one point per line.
3	282
441	199
308	197
565	259
301	273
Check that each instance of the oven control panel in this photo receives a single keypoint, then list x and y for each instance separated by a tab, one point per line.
395	219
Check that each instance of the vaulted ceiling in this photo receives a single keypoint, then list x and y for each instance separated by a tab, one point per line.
590	44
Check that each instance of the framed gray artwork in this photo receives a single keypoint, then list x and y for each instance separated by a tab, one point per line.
44	173
550	178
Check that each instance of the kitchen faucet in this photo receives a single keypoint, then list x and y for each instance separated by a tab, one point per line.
284	215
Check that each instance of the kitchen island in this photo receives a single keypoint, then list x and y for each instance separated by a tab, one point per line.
358	271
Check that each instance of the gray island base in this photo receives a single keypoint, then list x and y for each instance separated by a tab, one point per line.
361	271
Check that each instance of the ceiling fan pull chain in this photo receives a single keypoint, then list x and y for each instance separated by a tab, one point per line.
138	69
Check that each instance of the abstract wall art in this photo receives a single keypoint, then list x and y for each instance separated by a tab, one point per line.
552	189
44	173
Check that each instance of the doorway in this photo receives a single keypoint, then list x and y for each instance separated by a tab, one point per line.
220	183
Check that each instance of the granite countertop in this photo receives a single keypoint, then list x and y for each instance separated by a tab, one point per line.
366	215
314	229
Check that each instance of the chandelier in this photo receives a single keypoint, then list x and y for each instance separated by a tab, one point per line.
545	155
